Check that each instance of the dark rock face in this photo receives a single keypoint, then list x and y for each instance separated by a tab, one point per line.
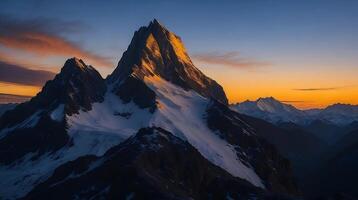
156	51
46	137
76	87
337	170
154	164
267	162
133	89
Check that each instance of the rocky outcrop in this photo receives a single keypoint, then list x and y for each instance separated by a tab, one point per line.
134	89
156	51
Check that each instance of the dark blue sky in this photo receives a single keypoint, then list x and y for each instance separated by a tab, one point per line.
259	28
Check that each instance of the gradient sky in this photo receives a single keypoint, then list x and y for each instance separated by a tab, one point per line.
301	52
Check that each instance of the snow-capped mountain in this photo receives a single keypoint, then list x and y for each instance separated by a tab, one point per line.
156	127
271	110
275	111
340	114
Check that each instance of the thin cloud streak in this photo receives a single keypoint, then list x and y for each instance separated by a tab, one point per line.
12	73
321	88
295	101
43	38
11	98
28	63
230	59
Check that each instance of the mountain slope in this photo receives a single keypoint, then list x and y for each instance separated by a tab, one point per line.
154	164
299	146
78	117
6	107
337	173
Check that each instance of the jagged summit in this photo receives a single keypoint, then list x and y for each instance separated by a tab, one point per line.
272	99
156	24
76	66
74	61
155	51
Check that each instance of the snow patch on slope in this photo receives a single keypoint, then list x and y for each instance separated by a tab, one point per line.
104	118
21	177
58	113
27	123
181	112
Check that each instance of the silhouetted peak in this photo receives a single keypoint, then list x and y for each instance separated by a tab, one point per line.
77	86
155	24
268	99
75	64
155	51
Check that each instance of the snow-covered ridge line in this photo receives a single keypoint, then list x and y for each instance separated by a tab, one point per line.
275	111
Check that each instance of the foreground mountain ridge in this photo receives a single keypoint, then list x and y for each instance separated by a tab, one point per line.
157	101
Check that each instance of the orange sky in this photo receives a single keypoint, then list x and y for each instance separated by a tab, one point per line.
244	84
305	85
299	52
25	90
321	88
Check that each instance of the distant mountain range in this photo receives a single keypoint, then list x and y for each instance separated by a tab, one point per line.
276	112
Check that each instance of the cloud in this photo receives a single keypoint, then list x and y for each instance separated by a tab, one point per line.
321	88
12	73
230	59
44	37
294	101
11	98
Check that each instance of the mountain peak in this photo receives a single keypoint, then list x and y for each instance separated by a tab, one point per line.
155	24
270	109
77	86
155	51
75	64
268	99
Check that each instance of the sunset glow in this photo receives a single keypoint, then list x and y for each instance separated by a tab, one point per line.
17	89
254	50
